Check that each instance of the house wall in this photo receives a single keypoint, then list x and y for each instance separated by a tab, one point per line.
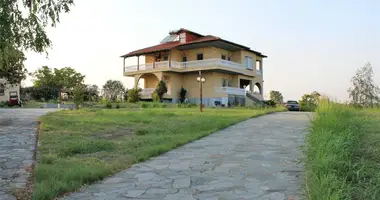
208	53
8	88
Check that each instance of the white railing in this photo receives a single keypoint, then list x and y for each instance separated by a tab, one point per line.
259	72
188	64
230	90
147	91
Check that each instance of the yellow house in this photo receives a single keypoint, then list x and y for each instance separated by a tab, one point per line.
231	71
7	89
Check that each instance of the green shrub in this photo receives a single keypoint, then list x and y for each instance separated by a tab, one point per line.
144	105
117	106
182	94
270	103
109	105
161	89
155	97
134	95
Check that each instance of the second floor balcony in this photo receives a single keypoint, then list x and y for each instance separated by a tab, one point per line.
191	65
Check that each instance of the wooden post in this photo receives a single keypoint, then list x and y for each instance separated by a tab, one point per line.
138	63
200	91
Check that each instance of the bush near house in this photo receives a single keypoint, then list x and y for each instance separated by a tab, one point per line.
79	147
134	95
343	153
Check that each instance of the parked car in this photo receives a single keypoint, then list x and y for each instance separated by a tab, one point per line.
14	99
292	105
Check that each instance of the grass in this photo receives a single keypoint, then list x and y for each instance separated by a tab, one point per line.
82	146
343	154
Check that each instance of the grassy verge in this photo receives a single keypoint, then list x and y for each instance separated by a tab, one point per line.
342	154
82	146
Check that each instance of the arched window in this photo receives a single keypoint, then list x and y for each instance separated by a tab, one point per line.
2	89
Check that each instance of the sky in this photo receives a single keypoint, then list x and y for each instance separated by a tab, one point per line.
311	45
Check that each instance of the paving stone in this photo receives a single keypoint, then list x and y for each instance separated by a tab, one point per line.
134	193
181	183
17	139
254	159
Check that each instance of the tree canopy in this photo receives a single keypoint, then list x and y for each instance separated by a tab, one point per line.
276	96
64	79
113	89
364	92
309	102
22	28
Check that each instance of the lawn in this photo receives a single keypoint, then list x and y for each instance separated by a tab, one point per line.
343	154
78	147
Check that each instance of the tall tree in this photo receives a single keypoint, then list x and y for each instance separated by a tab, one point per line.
91	93
161	89
113	89
276	96
364	92
64	79
22	28
309	102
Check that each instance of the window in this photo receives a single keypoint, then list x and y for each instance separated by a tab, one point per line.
258	65
223	57
182	37
166	57
249	62
184	59
200	56
226	82
2	88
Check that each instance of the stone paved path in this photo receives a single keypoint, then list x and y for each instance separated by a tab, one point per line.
255	159
17	139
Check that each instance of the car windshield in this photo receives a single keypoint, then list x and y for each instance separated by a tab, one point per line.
292	102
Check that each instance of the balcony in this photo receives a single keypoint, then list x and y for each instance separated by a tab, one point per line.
230	90
147	91
186	65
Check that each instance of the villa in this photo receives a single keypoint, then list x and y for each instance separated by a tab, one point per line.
6	91
230	71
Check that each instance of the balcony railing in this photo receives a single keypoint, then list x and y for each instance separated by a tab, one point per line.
230	90
186	65
147	91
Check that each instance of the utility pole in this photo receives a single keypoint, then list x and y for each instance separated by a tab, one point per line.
200	91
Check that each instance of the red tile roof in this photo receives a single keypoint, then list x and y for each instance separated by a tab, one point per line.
171	45
152	49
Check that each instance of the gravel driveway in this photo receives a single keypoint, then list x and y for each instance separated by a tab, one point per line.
17	139
254	159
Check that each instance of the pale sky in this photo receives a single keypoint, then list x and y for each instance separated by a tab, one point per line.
310	45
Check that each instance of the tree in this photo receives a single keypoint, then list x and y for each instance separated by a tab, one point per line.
134	95
126	95
22	25
113	89
309	102
78	95
91	93
276	96
161	89
182	95
64	80
364	92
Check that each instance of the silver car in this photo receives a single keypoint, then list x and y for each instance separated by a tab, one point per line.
292	105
